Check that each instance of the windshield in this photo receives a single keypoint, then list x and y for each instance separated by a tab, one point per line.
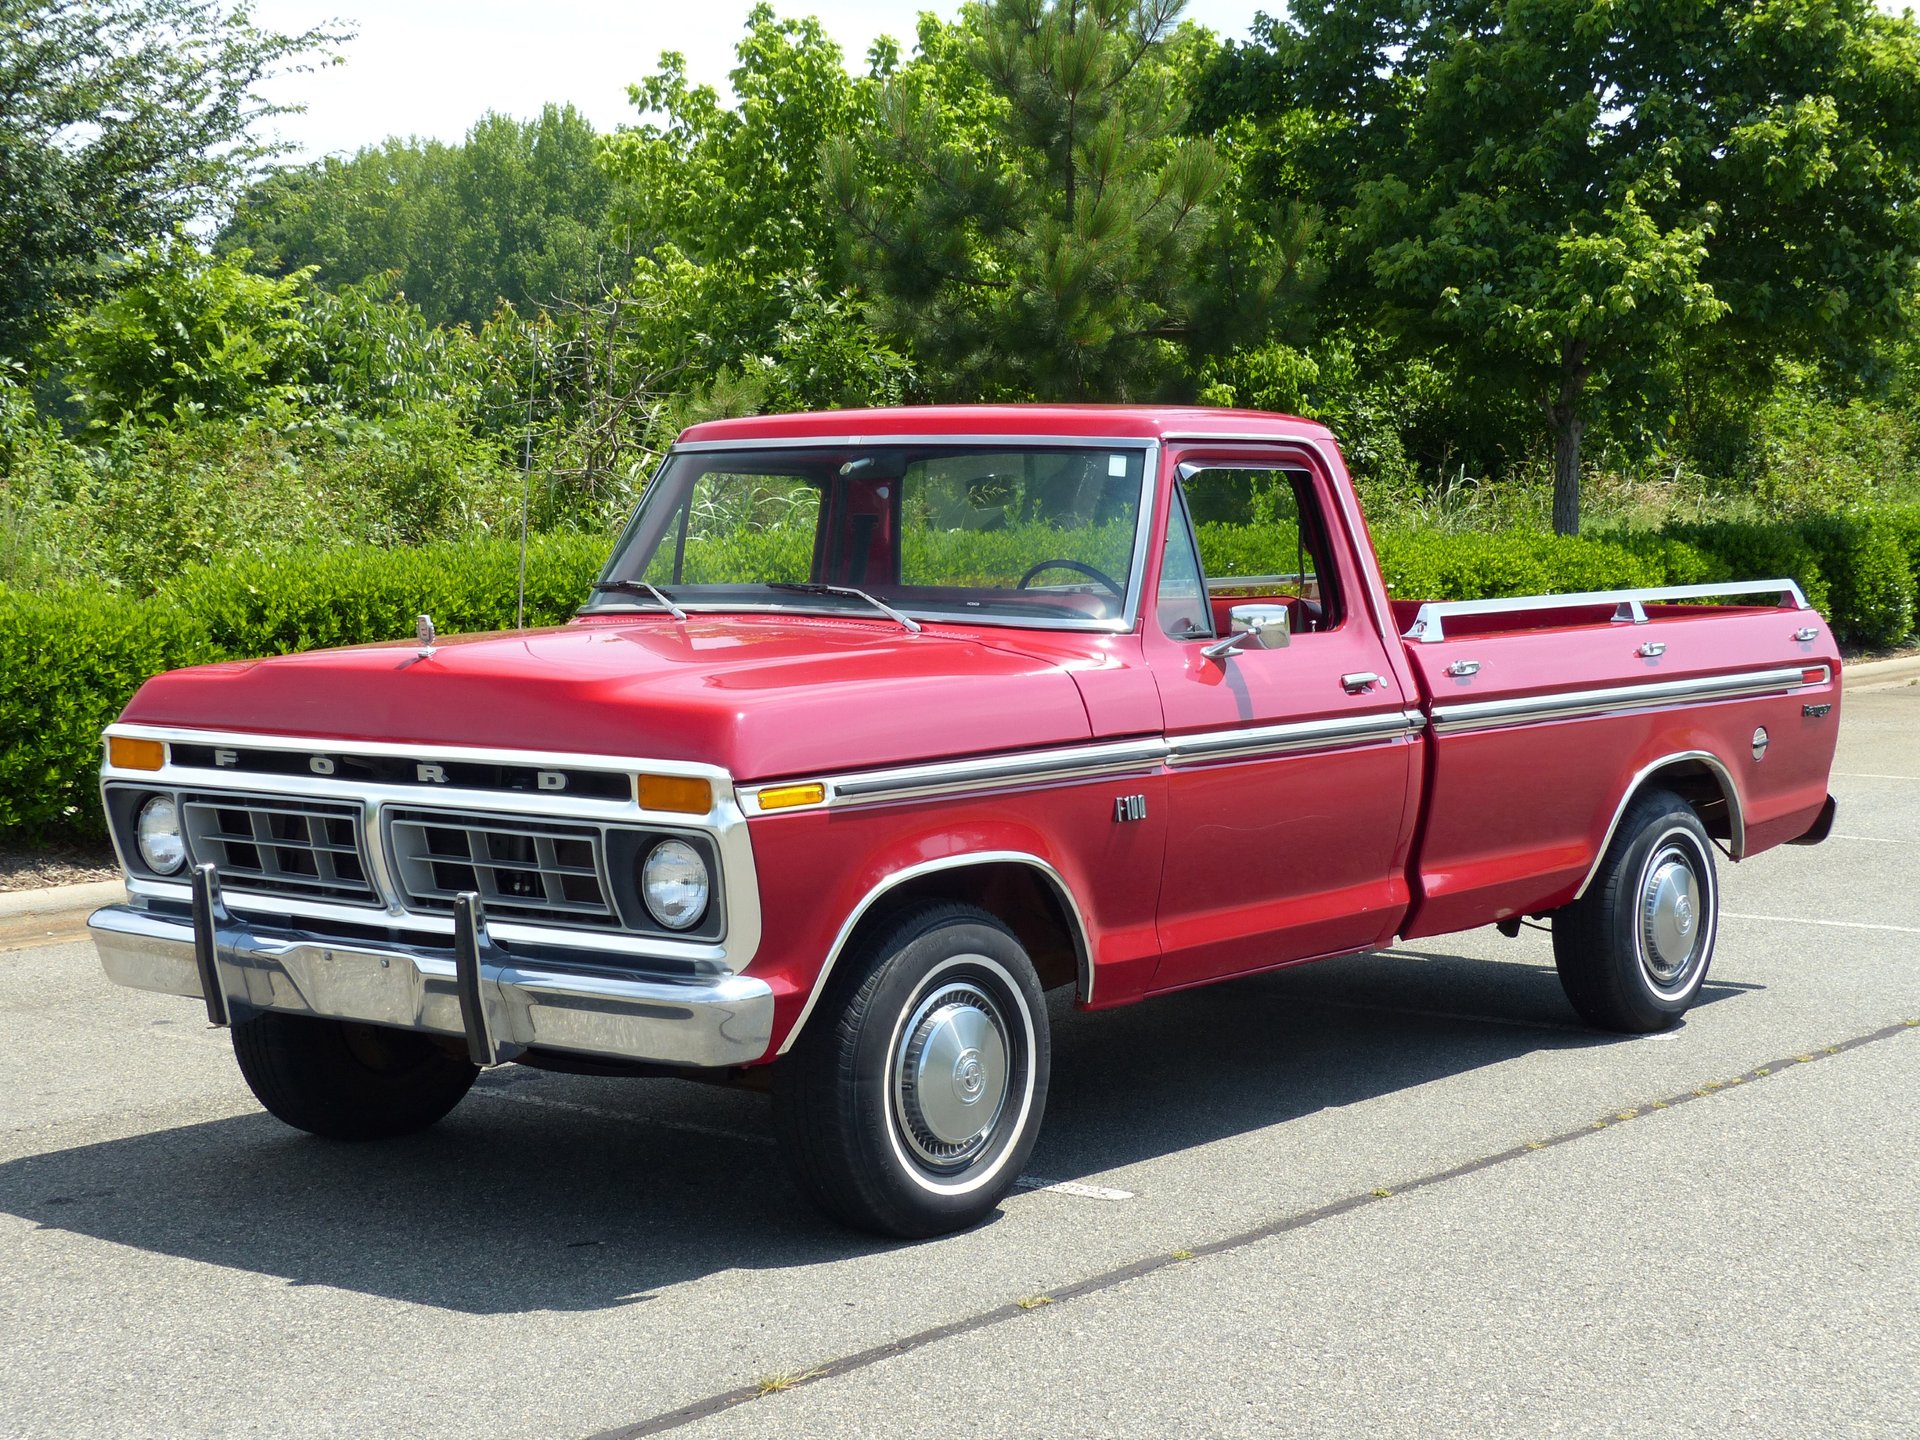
1001	534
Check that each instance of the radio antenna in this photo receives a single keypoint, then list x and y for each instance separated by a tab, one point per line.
526	485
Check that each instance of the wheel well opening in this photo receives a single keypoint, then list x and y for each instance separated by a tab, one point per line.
1697	783
1019	896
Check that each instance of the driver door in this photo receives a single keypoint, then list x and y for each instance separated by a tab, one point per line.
1292	775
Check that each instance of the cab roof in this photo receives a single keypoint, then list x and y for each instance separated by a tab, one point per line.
1096	422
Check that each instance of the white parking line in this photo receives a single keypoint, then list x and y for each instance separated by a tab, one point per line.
1072	1187
1871	839
692	1127
1862	775
1830	924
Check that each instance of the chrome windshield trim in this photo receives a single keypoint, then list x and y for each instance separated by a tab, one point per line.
1525	709
1736	812
1125	623
1429	624
1082	949
930	617
725	822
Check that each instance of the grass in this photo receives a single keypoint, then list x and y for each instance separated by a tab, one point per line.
782	1380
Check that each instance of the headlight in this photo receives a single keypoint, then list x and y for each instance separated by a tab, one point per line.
675	884
158	830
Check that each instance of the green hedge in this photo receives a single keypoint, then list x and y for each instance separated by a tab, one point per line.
1481	567
1862	570
306	600
71	657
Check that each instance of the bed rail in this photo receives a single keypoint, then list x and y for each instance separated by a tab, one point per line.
1629	606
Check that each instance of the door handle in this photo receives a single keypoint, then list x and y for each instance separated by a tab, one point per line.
1460	669
1652	650
1360	683
1805	634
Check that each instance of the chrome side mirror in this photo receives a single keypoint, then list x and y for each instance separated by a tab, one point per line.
1255	627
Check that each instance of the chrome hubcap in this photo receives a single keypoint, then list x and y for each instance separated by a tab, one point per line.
950	1075
1670	918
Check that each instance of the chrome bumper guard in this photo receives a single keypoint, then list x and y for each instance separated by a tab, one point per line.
501	1006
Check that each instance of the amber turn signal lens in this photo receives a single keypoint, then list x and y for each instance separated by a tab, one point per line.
789	797
126	753
678	794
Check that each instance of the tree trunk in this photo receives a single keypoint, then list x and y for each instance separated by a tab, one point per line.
1566	424
1567	427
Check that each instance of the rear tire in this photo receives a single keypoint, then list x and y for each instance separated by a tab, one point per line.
1634	950
911	1103
349	1081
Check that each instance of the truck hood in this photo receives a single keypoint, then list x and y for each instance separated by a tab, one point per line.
763	696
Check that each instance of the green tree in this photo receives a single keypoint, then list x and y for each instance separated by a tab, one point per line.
516	213
725	203
119	119
1582	196
1029	219
181	335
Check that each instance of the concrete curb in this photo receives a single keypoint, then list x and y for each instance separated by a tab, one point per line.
60	899
55	914
1880	674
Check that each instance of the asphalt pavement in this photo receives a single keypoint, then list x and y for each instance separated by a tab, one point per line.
1398	1195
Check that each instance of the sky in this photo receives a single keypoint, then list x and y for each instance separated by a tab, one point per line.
431	67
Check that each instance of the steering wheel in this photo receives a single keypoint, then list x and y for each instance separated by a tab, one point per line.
1101	576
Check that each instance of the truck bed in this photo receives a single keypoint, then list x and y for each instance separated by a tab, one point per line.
1736	705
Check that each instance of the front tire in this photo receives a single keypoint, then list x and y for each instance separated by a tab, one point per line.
912	1111
349	1081
1634	950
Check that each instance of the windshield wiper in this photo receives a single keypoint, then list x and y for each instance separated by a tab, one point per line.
815	588
640	587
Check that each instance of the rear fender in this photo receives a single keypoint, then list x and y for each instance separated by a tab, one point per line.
1699	777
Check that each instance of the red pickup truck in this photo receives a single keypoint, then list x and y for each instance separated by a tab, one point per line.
877	725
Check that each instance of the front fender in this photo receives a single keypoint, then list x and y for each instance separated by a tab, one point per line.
822	871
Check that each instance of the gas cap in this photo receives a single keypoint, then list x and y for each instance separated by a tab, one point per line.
1760	742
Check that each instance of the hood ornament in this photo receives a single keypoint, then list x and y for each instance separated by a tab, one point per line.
423	632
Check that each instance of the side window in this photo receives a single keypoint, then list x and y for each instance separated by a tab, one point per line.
1184	612
1261	536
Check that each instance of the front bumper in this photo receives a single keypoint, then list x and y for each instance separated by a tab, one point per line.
502	1006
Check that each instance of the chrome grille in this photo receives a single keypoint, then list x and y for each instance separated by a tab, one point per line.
522	869
280	847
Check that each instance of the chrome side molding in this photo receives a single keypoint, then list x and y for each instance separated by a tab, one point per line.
1098	760
1571	704
1629	606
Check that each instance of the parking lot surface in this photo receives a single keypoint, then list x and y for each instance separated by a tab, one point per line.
1401	1194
